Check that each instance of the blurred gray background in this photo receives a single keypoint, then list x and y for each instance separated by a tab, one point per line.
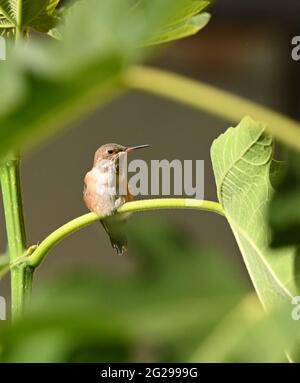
245	49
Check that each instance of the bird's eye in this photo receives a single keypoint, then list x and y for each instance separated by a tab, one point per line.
110	151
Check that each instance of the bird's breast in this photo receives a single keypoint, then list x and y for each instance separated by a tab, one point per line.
102	191
105	181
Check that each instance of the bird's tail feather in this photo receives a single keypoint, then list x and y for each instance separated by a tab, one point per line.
115	228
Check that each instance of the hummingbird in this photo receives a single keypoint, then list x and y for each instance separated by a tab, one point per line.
102	186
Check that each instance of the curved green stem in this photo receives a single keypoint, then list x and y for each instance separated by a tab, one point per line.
212	100
47	244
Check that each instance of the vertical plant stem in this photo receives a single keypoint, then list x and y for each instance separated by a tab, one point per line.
18	34
21	276
19	20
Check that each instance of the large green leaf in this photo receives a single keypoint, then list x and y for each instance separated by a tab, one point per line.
47	19
181	30
242	159
182	11
6	26
55	82
182	22
27	14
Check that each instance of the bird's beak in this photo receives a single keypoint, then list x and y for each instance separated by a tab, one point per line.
131	149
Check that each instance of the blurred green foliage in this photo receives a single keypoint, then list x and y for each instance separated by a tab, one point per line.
162	308
247	334
176	301
47	83
180	302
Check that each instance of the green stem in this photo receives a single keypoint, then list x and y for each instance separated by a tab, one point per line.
18	34
212	100
19	20
47	244
21	276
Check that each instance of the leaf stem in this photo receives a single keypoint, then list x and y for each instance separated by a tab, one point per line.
21	276
19	20
212	100
54	238
18	34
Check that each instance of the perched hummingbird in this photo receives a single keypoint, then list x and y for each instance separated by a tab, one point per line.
103	184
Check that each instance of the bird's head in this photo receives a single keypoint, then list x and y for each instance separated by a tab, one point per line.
111	152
